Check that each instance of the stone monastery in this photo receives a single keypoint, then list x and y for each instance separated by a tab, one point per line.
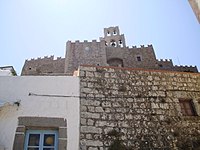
110	51
119	98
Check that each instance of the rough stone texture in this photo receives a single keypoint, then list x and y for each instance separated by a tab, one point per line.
78	53
142	104
44	66
110	51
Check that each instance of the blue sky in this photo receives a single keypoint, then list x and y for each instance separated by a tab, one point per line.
37	28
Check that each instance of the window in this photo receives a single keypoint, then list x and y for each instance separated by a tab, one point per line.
41	140
37	131
187	107
108	33
160	65
117	62
106	44
120	43
139	58
113	43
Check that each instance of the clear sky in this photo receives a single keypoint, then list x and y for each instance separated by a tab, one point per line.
38	28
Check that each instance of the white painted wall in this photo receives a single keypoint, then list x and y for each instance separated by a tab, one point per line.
198	3
17	88
5	72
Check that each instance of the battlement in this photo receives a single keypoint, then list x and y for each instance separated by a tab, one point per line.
45	65
45	58
164	60
141	46
186	68
82	42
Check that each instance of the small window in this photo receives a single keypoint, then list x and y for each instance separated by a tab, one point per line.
113	43
187	107
120	43
139	58
114	32
41	140
160	65
108	33
106	44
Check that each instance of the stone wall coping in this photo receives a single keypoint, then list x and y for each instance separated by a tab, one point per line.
138	69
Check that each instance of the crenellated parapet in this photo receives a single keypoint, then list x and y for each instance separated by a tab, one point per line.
141	46
164	63
45	58
42	65
164	60
167	64
84	52
109	50
185	68
82	42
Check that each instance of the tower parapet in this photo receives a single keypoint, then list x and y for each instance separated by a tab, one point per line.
79	53
186	68
164	64
141	46
45	65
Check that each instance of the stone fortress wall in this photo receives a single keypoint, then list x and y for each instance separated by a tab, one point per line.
111	50
142	105
78	53
44	66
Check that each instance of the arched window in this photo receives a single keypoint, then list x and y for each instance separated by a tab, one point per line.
113	43
106	44
117	62
120	43
108	33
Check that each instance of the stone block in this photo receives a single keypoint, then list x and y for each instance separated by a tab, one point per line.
62	144
90	129
90	115
62	131
99	109
90	122
94	143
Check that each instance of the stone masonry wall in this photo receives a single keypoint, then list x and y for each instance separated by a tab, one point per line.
44	66
129	56
143	106
80	53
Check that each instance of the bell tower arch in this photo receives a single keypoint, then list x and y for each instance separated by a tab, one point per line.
113	38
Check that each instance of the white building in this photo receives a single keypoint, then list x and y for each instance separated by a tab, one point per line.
195	4
33	108
7	71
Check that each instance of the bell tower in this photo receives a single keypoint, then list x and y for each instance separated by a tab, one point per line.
113	38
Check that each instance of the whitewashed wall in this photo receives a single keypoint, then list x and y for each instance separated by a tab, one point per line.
18	89
5	73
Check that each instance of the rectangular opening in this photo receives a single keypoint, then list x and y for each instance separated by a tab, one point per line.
138	58
187	107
